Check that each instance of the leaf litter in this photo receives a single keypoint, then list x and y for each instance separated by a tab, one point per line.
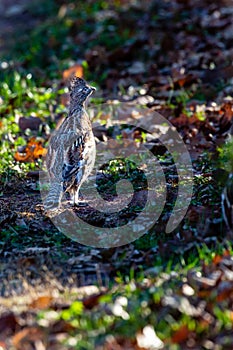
192	54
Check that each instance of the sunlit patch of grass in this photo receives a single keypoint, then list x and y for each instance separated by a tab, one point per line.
21	97
162	297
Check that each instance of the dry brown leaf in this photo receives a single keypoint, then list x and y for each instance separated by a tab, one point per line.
225	291
184	80
24	338
204	293
32	151
92	300
217	259
184	120
42	302
226	253
27	261
61	326
76	70
180	335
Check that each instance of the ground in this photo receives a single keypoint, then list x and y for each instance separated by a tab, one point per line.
173	290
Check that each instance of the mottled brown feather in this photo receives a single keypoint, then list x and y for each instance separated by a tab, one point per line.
71	151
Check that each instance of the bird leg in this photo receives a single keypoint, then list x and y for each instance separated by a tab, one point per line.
77	201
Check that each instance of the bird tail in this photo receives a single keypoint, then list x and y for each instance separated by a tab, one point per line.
53	199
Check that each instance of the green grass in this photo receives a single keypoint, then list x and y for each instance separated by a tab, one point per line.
21	97
135	301
225	159
135	297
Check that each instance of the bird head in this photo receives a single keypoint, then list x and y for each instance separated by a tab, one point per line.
79	90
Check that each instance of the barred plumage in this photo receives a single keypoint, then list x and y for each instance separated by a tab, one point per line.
71	152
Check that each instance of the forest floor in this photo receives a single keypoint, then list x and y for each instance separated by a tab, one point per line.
161	290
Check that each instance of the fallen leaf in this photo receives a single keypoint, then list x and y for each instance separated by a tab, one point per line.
61	326
32	151
217	259
27	336
180	335
76	70
26	261
204	293
226	253
225	291
43	302
92	300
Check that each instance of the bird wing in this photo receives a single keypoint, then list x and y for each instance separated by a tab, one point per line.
74	162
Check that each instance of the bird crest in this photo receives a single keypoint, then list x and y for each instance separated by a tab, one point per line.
76	83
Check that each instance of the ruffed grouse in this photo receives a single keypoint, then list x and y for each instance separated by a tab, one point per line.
71	151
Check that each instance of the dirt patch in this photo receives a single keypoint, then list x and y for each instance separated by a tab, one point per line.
36	256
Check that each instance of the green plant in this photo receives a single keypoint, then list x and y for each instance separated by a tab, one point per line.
225	160
21	98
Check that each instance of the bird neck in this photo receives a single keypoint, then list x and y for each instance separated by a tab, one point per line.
76	108
78	113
